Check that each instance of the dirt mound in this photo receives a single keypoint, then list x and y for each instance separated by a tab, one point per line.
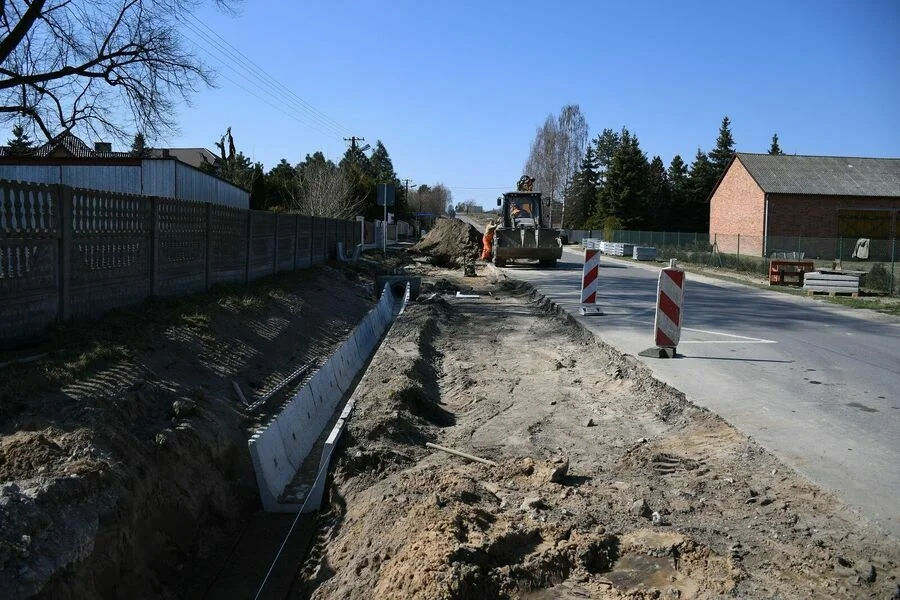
450	243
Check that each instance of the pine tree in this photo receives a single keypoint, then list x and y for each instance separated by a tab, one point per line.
605	146
677	174
383	171
775	148
624	193
20	144
581	198
357	168
658	196
724	149
284	184
139	146
701	180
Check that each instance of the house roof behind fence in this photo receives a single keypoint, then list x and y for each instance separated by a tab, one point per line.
824	175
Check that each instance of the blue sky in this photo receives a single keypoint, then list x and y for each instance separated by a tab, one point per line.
456	90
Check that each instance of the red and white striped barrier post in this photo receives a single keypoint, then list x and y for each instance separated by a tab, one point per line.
589	279
669	312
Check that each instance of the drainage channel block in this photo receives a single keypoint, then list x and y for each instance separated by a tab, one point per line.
397	285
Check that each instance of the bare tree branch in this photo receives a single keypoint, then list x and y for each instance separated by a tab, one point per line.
97	64
9	43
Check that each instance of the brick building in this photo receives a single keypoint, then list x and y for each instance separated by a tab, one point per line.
816	204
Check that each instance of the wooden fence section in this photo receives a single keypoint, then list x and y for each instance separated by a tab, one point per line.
68	252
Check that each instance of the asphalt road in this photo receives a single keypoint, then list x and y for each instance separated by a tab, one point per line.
817	384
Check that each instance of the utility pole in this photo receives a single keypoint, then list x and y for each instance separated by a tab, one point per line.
406	182
353	139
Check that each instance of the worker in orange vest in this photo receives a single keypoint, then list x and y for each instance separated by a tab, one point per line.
488	240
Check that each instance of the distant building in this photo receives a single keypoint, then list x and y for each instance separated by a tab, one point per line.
776	201
168	173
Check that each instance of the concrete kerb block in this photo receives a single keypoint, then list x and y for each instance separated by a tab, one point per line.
356	354
328	390
269	460
367	339
266	495
342	374
290	427
369	336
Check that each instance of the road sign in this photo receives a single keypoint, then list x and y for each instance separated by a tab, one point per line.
385	194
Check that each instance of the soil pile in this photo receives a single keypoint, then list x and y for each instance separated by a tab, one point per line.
123	457
608	485
450	243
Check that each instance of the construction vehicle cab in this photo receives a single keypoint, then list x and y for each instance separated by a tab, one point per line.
522	232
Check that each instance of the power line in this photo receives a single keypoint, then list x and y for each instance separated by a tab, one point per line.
306	106
260	74
312	122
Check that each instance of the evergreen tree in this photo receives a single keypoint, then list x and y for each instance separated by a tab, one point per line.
139	146
383	172
357	167
658	197
775	148
20	143
284	184
701	180
605	146
724	149
624	193
582	194
677	174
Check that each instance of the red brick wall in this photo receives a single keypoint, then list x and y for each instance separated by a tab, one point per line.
816	216
737	207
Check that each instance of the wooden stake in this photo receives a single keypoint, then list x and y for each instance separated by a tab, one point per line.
462	454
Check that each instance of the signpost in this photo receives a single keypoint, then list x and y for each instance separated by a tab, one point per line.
385	198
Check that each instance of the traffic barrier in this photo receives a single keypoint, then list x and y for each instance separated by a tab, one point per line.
589	280
669	305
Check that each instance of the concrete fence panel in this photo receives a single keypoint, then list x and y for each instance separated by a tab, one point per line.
331	239
287	242
182	247
262	244
304	243
67	251
30	259
318	240
228	244
110	256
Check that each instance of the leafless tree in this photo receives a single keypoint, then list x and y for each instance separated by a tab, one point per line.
573	139
544	161
325	191
556	151
97	65
436	199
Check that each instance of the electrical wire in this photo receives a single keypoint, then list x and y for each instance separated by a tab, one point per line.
264	78
275	95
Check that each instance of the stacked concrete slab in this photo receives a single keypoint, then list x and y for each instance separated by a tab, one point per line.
279	449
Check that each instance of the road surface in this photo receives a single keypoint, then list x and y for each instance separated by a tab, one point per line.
817	384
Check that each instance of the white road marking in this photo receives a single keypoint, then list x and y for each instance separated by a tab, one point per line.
745	339
727	342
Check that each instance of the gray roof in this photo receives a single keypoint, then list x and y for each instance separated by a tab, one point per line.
192	156
67	145
824	175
